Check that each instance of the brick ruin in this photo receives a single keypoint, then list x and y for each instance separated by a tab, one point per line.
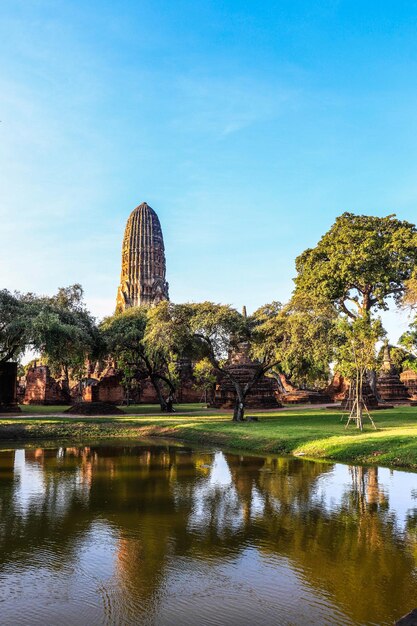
39	387
294	395
338	388
389	385
263	395
42	388
409	378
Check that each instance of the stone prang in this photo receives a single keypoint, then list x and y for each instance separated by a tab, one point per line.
142	280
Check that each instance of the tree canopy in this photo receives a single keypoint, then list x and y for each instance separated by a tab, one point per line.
135	355
409	342
303	335
17	312
359	263
65	333
59	328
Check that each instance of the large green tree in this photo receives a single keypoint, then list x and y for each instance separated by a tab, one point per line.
17	312
136	356
65	333
358	266
59	328
300	336
359	263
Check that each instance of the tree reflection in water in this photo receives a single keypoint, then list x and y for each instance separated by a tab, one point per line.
163	516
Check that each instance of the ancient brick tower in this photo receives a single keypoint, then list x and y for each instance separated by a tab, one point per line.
142	280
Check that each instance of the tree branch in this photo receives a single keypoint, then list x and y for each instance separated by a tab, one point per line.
346	310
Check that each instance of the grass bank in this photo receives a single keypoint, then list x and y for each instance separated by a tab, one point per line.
314	433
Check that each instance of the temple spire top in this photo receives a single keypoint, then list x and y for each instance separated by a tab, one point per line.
387	364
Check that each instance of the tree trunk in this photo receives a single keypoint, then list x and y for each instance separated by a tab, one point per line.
371	377
239	410
357	408
66	378
366	302
278	380
161	399
359	411
360	416
169	401
169	404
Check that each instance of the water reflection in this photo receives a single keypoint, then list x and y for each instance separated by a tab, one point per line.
160	534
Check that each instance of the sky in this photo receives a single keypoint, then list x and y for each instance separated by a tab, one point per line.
248	126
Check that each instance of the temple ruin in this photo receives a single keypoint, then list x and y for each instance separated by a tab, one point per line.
409	378
294	395
42	388
389	385
263	395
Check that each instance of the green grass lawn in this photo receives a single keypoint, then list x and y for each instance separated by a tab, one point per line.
314	433
134	409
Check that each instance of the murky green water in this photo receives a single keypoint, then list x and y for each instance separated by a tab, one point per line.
166	535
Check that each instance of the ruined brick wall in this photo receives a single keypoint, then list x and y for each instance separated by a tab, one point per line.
82	390
409	378
287	386
338	388
41	388
21	387
88	393
108	389
188	392
147	393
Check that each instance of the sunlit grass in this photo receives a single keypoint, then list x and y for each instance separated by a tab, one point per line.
134	409
304	431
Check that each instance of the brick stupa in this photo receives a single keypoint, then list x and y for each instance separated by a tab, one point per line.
389	385
263	394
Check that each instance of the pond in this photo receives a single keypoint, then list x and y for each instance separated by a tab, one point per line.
163	534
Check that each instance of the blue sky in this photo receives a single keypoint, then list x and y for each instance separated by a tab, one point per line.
248	126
